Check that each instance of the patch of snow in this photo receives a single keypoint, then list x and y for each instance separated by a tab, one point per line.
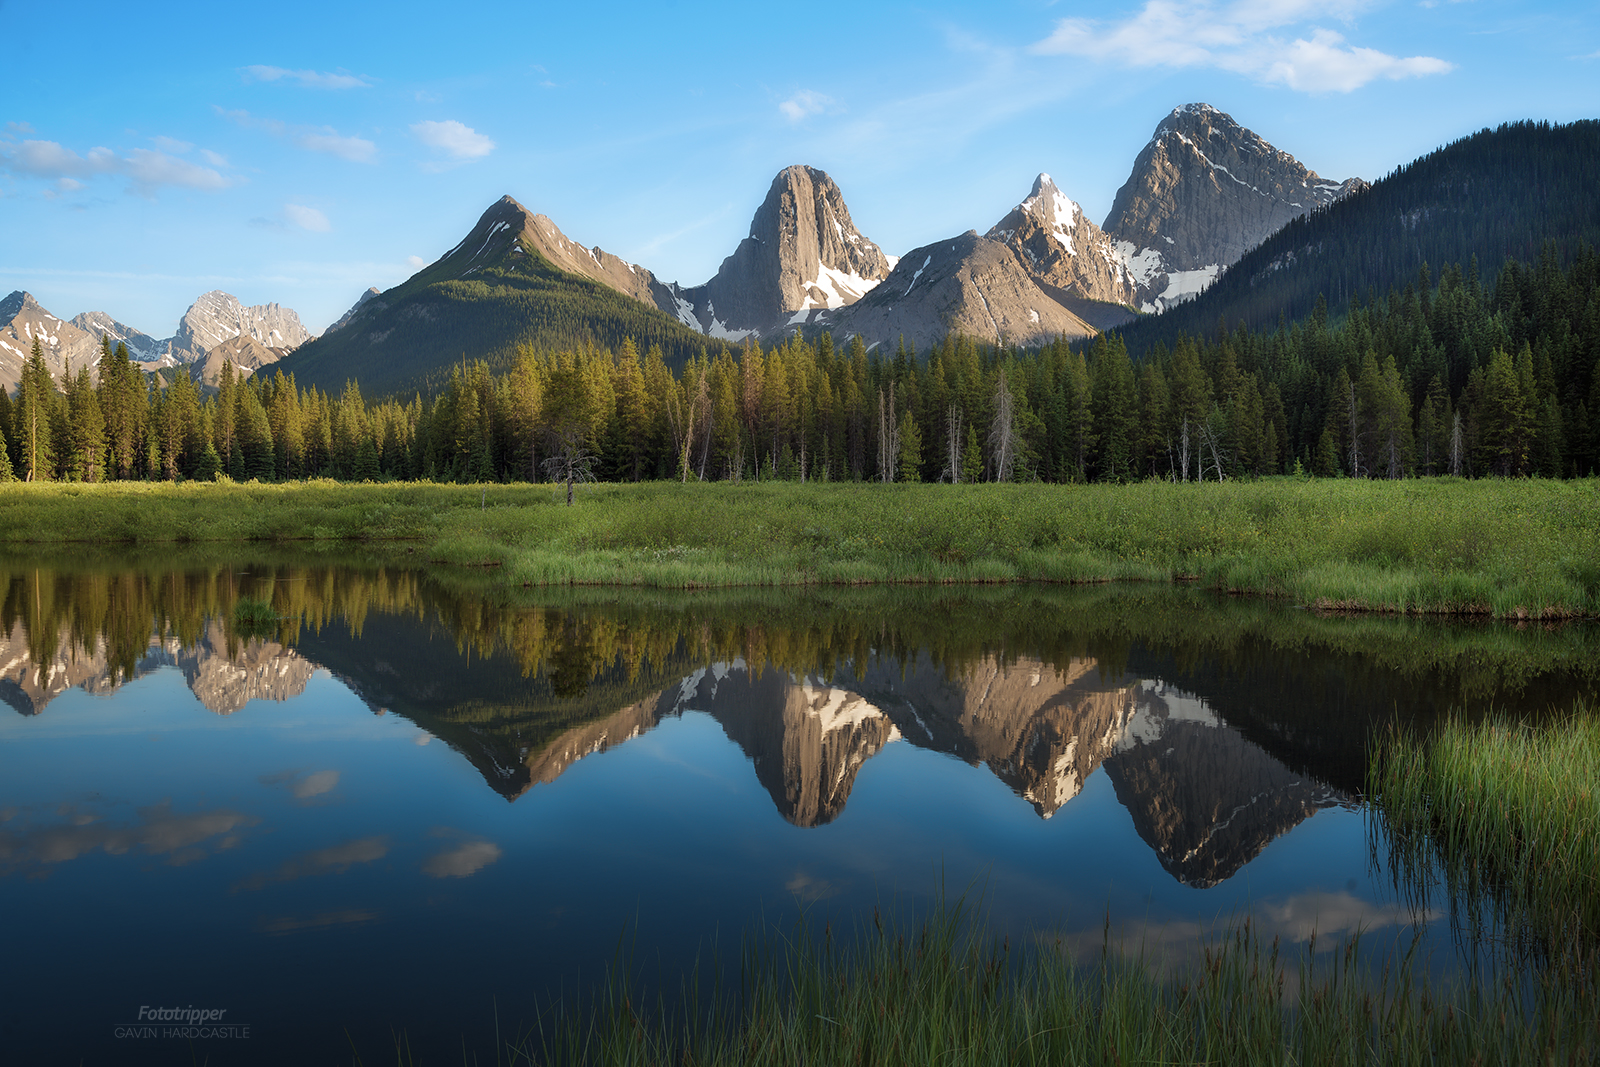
686	313
917	275
894	261
721	332
1142	266
838	288
1033	316
1187	284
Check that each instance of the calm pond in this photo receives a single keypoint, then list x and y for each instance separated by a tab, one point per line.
337	800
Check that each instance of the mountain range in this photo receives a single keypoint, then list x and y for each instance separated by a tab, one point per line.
1202	192
1202	796
1208	206
215	329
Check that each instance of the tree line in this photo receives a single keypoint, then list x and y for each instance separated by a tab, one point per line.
1443	377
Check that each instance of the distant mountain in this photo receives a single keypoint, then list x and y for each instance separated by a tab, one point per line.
21	321
357	306
217	317
142	348
1496	194
970	285
514	278
1202	193
803	254
223	672
1063	250
246	354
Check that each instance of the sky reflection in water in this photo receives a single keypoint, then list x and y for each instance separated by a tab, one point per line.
411	834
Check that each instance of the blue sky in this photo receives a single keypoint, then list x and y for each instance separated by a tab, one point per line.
300	152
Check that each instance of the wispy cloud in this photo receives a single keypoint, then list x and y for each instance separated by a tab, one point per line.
171	144
1246	37
311	79
803	103
334	859
465	859
146	170
453	139
309	218
323	139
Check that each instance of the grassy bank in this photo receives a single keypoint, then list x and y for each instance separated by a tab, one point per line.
943	992
1510	813
1521	549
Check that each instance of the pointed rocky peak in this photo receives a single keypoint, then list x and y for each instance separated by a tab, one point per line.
509	234
804	255
822	259
15	303
1050	208
1067	253
1203	192
22	321
496	232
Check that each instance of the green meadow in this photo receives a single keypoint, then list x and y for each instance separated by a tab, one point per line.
1508	548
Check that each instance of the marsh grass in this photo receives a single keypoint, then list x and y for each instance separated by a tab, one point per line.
943	991
1509	812
1511	549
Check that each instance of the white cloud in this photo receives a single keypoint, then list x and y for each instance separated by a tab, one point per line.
417	263
1238	37
454	139
308	218
354	149
170	144
313	139
805	102
213	158
312	79
463	860
146	170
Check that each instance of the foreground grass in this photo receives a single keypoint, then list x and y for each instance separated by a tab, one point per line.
943	992
1519	549
1510	813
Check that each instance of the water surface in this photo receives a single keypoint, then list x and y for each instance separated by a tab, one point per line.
392	805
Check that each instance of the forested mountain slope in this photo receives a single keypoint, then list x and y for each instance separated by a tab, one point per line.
493	291
1498	194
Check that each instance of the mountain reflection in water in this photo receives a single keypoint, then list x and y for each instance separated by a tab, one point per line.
527	694
1090	757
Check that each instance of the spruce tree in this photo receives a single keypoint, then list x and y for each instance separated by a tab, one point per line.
35	403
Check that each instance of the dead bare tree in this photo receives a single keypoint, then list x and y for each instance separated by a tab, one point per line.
1003	430
1455	444
952	446
888	437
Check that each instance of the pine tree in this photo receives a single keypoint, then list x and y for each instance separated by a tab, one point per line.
35	401
910	449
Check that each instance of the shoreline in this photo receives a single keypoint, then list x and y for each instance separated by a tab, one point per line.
1524	551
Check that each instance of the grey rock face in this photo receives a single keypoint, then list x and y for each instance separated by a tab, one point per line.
970	285
246	354
804	253
22	320
217	317
142	348
1202	193
1063	249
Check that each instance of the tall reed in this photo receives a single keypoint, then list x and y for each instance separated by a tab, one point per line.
1509	813
943	991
